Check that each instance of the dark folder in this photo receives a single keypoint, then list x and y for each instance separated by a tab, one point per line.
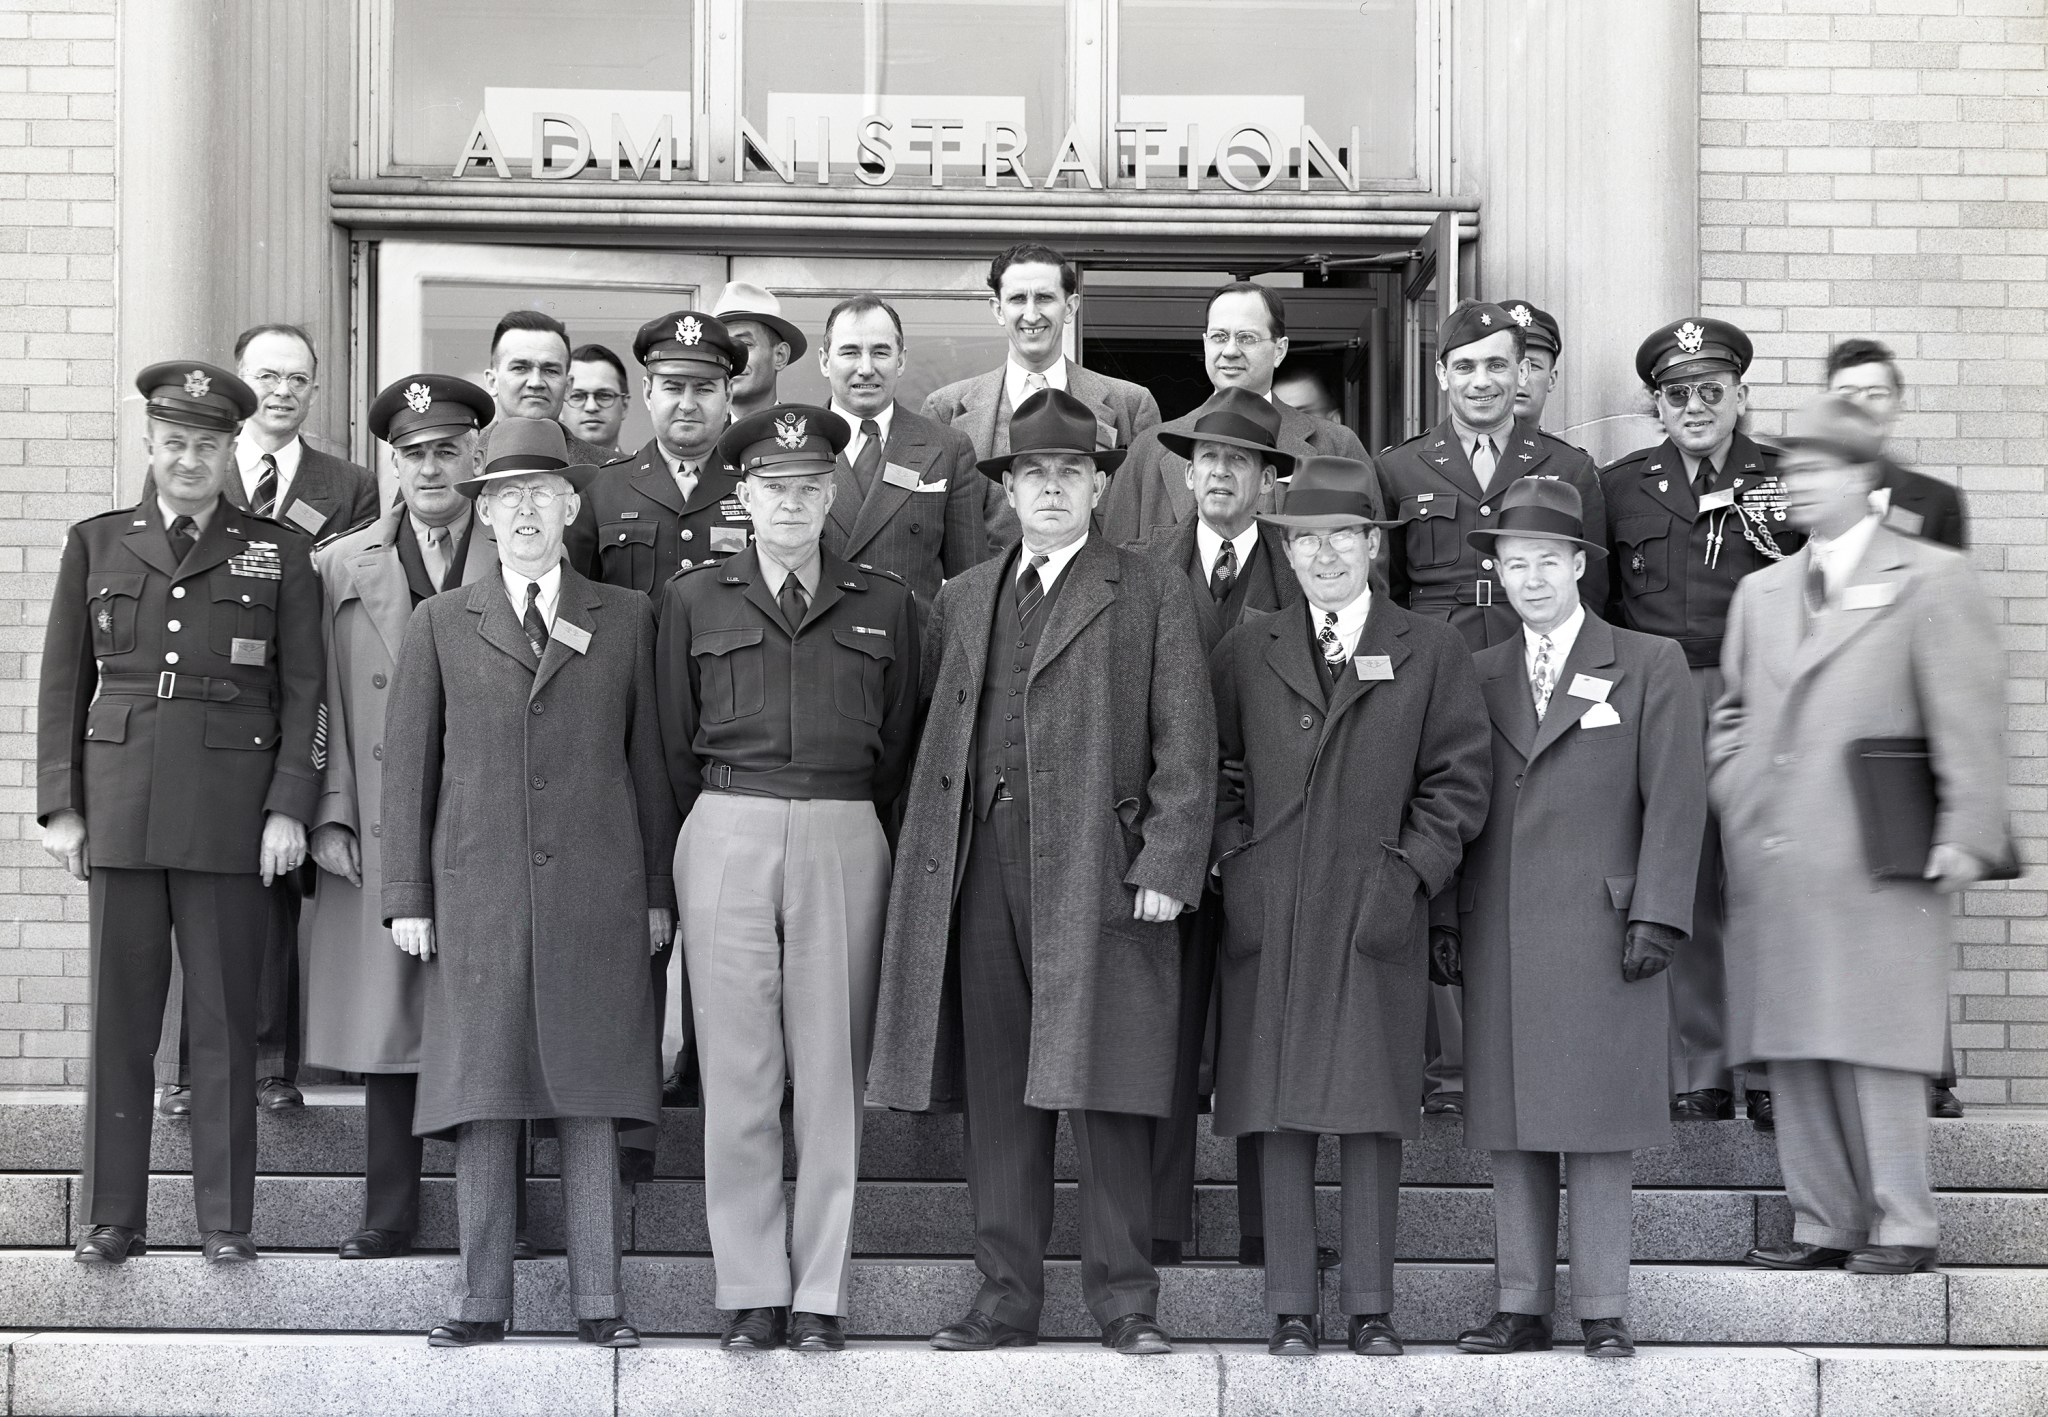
1896	800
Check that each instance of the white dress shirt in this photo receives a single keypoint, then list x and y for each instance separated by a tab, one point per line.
1209	545
1838	558
882	421
1016	377
1561	641
1350	621
1055	561
249	459
550	585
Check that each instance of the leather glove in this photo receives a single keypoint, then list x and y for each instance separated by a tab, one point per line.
1648	951
1446	956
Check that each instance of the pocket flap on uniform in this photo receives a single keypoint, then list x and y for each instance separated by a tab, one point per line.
1633	531
725	641
241	729
627	534
1429	504
107	721
1622	891
104	584
875	646
243	590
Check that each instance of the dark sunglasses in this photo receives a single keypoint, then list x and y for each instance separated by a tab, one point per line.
1679	395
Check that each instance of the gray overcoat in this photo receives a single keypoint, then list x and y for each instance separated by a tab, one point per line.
1121	739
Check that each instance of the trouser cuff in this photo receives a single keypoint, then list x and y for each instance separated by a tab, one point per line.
1530	1301
483	1311
1890	1233
1115	1306
1809	1232
1599	1306
1017	1313
1279	1301
599	1306
733	1298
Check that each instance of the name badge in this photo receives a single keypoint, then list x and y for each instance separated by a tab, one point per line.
897	475
1601	715
306	518
1105	433
1585	686
574	636
1715	500
1373	666
247	651
1870	597
1899	519
725	540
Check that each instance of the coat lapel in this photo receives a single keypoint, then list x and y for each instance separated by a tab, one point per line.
1090	588
224	536
1524	454
981	409
1381	635
1288	655
651	479
146	539
1782	617
380	583
1509	704
1267	572
906	447
311	485
1446	454
496	620
577	604
1665	478
1881	565
746	566
1594	649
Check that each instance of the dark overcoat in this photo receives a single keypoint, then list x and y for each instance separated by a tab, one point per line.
1591	827
1338	816
1121	739
528	815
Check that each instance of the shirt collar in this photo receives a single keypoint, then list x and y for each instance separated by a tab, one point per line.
1839	556
1469	437
1014	375
1055	561
1209	545
201	520
882	421
550	584
1561	639
1350	620
456	528
249	458
1720	459
807	575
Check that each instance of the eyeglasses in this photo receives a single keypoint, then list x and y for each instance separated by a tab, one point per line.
1311	543
513	498
268	379
594	398
1679	395
1246	340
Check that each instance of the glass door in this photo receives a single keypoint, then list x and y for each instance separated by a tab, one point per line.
1430	287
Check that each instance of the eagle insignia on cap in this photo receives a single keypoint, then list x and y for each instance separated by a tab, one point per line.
1484	318
197	384
1522	316
418	397
790	430
689	330
1691	337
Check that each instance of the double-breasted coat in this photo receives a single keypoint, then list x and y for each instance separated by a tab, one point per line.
1120	735
1338	815
1592	826
527	813
1824	961
364	995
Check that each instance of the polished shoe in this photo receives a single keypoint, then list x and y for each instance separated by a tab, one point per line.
1327	1258
1795	1256
1608	1338
1444	1104
1373	1336
1294	1336
175	1102
110	1244
679	1088
1891	1259
376	1245
465	1333
976	1332
1761	1113
1706	1104
1508	1333
228	1247
523	1247
756	1329
613	1332
1135	1335
1166	1252
1943	1102
277	1095
816	1333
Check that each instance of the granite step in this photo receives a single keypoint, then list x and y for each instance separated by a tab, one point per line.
290	1375
910	1298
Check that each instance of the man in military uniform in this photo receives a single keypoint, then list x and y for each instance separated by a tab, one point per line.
753	317
787	680
175	743
1687	519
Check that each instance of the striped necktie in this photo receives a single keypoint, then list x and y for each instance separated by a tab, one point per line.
1030	591
264	504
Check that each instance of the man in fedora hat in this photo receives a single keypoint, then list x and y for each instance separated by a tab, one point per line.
1354	771
1058	822
1577	891
1236	567
753	317
529	836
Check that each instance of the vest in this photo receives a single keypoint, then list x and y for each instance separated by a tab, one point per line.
1231	607
999	719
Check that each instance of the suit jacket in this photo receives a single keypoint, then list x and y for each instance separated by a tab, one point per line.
1266	582
1924	506
925	532
1825	962
1151	489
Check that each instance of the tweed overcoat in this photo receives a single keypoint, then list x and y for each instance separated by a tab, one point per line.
364	994
1824	961
527	813
1120	735
1590	828
1337	818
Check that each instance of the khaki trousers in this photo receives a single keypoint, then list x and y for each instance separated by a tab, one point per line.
782	907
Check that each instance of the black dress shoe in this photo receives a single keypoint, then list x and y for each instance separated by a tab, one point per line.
110	1244
1795	1256
1135	1335
1166	1252
228	1247
1373	1336
1327	1258
976	1332
816	1333
1761	1112
522	1247
463	1333
1706	1104
1251	1250
1444	1104
175	1102
277	1095
1294	1336
376	1245
1608	1338
613	1332
759	1329
679	1088
1943	1102
1891	1259
1508	1333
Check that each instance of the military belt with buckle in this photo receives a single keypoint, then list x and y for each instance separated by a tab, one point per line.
168	685
1479	592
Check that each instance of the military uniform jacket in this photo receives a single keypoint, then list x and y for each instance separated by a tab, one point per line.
635	529
179	698
326	496
1431	569
746	706
1673	567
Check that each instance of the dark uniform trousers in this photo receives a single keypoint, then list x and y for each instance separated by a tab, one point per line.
277	999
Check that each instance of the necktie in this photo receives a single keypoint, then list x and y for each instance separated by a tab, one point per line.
435	554
1333	648
183	531
1705	482
1542	677
870	458
1034	383
536	626
686	480
1030	591
1483	462
1224	576
265	502
793	601
1816	584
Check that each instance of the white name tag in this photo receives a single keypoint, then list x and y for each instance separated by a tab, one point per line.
1720	497
1601	715
938	486
1105	433
1585	686
574	636
897	475
307	519
1899	519
1870	597
243	651
1373	666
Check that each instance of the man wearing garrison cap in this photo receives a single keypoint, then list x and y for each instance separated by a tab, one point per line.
176	749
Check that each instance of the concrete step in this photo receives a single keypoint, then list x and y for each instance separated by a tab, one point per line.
909	1298
176	1375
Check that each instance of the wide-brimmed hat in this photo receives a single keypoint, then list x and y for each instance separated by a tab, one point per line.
1833	424
1541	508
523	446
1236	417
743	300
1053	421
1327	493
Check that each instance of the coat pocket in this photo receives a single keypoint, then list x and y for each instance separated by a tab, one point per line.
107	722
113	606
1124	843
1643	552
1244	903
732	675
858	671
1621	891
1389	925
243	608
625	554
240	730
1430	532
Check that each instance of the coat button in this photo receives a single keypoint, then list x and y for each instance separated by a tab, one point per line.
377	680
177	592
173	626
961	697
686	534
945	779
171	658
376	829
378	752
245	600
622	536
1518	779
540	858
1486	511
913	528
931	865
1486	565
1308	720
539	782
685	564
257	740
536	708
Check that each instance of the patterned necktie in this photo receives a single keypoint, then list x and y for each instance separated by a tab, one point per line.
1542	677
1030	591
1333	648
870	459
793	601
536	626
1034	383
183	532
265	502
1483	462
1224	576
435	554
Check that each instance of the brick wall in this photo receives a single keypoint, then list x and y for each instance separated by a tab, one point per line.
57	405
1880	168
